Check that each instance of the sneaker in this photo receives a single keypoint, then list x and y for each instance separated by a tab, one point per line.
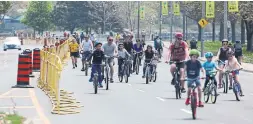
187	102
90	80
183	90
100	85
111	80
82	69
76	65
201	104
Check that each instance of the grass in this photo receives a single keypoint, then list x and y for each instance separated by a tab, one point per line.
15	119
214	47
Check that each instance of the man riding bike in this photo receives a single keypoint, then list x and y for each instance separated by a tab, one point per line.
128	45
158	44
110	49
87	47
238	51
178	51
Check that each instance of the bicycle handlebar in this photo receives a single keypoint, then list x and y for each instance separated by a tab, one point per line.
228	71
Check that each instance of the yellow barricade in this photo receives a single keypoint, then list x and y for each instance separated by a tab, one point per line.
51	67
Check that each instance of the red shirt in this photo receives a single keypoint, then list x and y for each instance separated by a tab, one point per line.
178	52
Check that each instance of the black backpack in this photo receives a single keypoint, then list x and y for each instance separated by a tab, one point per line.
238	47
193	44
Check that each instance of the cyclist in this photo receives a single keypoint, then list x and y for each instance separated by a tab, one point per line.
149	54
238	51
137	48
87	47
178	51
193	43
97	57
128	45
222	56
74	52
110	49
122	54
158	44
209	66
233	64
193	68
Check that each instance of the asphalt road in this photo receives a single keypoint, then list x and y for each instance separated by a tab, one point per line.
155	103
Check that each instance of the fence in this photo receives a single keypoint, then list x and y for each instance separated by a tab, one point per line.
52	63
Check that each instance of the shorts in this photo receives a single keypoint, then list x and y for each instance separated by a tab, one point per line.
236	72
111	62
190	82
237	54
86	55
74	54
180	65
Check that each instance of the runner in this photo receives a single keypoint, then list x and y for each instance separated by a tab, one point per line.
74	52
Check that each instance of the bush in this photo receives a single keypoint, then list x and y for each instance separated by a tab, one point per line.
213	47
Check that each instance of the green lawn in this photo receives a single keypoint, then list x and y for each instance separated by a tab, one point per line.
15	119
214	46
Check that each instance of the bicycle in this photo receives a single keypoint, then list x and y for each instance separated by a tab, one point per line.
236	86
193	97
107	69
124	71
150	75
96	80
224	79
137	62
87	64
211	89
176	77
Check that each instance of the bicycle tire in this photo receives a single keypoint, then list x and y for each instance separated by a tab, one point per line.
236	92
177	87
137	66
225	86
107	78
86	70
155	76
95	84
214	89
147	75
207	93
194	107
126	79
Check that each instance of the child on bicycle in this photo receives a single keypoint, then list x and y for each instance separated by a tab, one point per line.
193	67
209	66
149	54
233	65
122	54
97	58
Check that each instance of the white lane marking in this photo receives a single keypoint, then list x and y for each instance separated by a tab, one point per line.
159	98
140	90
251	94
186	111
129	84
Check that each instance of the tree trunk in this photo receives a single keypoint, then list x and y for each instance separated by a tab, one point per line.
233	24
72	30
87	30
249	28
213	37
242	32
221	31
199	36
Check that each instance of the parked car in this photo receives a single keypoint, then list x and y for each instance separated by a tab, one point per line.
12	43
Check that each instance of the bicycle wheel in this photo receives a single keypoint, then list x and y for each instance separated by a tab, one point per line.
213	94
147	75
95	84
236	91
207	93
137	66
225	86
193	106
107	77
86	69
155	76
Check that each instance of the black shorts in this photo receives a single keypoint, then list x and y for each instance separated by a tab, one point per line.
74	54
180	65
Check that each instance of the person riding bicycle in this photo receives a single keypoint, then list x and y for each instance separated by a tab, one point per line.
137	48
92	37
193	68
110	49
233	64
158	44
178	51
222	56
97	58
74	52
238	51
149	54
117	38
128	45
209	66
193	43
87	47
122	55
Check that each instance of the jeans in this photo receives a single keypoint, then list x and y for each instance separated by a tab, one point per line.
94	69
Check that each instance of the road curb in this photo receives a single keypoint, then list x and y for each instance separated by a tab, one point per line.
28	121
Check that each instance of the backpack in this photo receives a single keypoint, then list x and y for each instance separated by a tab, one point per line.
238	47
193	44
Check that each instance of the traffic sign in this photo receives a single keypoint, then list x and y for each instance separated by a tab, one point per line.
233	6
176	7
142	13
203	23
165	8
210	9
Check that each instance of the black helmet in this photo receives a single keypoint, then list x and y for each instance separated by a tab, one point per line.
238	41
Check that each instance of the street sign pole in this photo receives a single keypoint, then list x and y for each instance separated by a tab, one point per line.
202	29
225	20
138	25
171	20
160	26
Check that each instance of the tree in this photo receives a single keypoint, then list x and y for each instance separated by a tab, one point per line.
38	15
4	7
72	14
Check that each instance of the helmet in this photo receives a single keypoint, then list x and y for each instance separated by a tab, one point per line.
179	35
97	43
149	46
121	44
230	52
238	41
224	40
194	52
209	55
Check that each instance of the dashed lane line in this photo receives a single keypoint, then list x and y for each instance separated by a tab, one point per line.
186	111
140	90
159	98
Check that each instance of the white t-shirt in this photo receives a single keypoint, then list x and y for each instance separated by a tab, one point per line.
87	45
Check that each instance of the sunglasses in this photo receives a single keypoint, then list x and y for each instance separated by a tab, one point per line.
225	44
179	38
110	39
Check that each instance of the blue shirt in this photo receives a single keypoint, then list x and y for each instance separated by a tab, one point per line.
209	66
137	49
193	69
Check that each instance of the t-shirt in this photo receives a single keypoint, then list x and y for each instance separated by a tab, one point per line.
109	49
74	47
87	46
123	53
128	46
209	66
137	49
193	68
98	56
